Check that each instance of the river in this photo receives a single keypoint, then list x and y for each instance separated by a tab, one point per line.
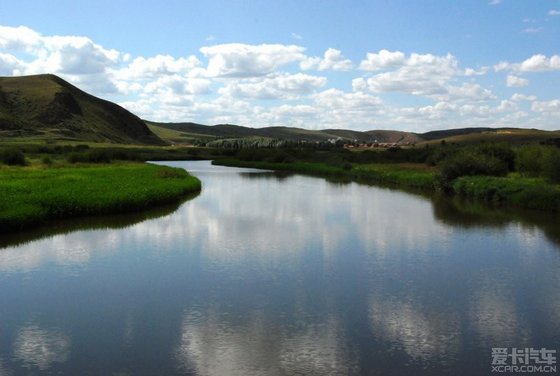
270	274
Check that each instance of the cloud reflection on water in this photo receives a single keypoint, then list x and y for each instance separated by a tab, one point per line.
213	345
39	347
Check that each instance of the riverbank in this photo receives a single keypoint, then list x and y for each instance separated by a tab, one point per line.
34	195
403	174
513	190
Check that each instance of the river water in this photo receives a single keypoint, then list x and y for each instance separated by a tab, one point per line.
268	274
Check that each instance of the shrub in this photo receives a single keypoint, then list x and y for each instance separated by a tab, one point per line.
529	160
12	157
47	160
551	165
469	162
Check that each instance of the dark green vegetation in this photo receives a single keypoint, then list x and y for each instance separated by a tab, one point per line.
47	107
33	195
522	176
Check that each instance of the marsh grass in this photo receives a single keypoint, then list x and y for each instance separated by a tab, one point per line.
32	195
513	190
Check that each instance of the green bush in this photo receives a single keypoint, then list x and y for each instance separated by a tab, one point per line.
470	162
12	157
551	165
529	160
47	160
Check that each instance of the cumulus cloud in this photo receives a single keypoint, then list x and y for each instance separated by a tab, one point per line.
515	81
476	72
554	12
419	74
19	38
75	58
552	106
178	85
158	65
522	97
244	60
282	86
468	91
382	59
9	64
536	63
540	63
332	60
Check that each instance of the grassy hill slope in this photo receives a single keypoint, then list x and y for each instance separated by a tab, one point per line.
47	107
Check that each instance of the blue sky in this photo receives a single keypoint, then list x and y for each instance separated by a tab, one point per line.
408	65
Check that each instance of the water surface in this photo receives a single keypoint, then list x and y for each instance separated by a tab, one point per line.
266	274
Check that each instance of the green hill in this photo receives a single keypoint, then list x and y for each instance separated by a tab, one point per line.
47	107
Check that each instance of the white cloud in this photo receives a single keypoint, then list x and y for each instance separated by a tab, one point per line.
282	86
495	2
554	12
71	55
417	75
158	65
382	59
467	91
332	60
540	63
18	38
474	72
536	63
9	64
178	85
522	97
502	66
533	30
552	106
244	60
515	81
438	110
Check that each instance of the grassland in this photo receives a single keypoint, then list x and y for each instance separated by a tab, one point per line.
36	194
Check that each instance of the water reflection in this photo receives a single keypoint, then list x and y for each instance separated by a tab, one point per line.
210	345
463	213
62	227
37	347
493	312
268	274
422	333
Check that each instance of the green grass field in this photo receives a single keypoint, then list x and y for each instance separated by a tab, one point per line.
32	195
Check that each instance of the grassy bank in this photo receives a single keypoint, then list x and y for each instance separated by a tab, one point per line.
513	190
527	193
406	175
33	195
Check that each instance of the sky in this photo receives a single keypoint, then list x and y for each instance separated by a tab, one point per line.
316	64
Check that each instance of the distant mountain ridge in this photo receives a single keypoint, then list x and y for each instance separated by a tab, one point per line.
187	132
46	106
